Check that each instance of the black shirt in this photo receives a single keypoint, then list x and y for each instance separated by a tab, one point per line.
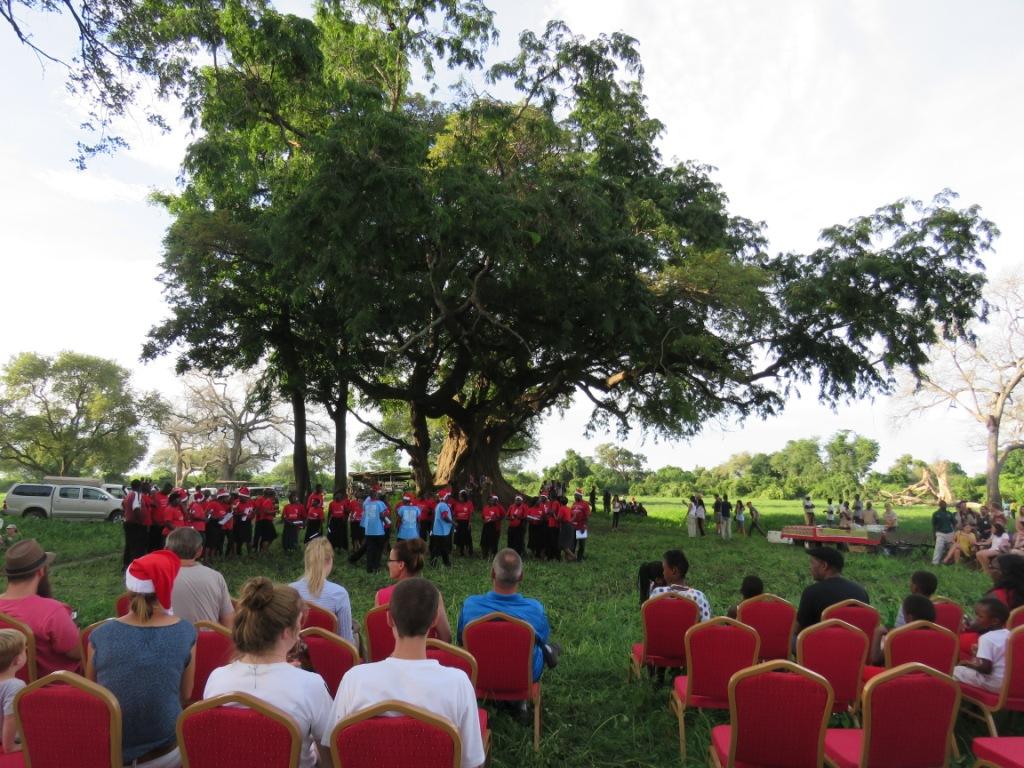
821	594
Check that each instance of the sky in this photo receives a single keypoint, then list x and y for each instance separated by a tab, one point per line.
812	111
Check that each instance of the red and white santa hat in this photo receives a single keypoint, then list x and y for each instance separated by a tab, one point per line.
494	497
406	497
222	492
243	492
579	492
154	574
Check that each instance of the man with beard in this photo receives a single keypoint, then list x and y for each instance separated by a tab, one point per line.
28	599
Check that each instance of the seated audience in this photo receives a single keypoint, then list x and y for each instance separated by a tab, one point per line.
147	660
266	628
674	567
28	599
829	586
988	665
921	583
409	676
870	516
315	588
964	544
12	658
752	586
1007	574
406	561
1018	537
889	519
915	607
506	576
997	544
200	593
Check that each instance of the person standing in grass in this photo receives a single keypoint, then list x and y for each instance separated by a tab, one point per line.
441	532
755	520
943	525
725	512
517	512
702	514
691	518
741	517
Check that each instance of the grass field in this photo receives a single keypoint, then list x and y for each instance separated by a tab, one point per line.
591	716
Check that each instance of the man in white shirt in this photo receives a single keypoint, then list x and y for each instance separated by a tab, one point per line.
409	676
200	593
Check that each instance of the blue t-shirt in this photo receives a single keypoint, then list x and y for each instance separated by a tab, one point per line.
517	606
142	667
408	517
441	526
372	511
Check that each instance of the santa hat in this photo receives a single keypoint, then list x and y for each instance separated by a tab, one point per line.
243	492
446	494
154	574
494	497
518	497
222	492
178	493
198	496
406	497
579	492
543	495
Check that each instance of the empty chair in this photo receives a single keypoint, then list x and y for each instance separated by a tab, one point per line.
236	730
369	739
67	720
948	614
29	672
774	619
715	650
319	617
910	693
1016	618
778	712
380	641
331	655
666	619
836	651
998	752
214	648
982	704
861	615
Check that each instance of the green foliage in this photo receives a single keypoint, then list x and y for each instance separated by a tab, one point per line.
71	415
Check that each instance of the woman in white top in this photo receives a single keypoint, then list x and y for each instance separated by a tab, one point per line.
691	518
315	588
266	628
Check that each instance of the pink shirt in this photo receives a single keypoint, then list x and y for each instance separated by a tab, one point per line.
55	631
384	595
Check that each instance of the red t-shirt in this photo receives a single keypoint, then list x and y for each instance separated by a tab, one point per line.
580	514
426	509
492	513
462	510
338	509
535	513
293	513
55	630
197	512
315	506
355	511
267	510
160	509
516	513
148	509
551	513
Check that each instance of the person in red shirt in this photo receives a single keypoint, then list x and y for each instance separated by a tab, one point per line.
315	512
175	514
266	511
552	523
136	524
337	523
151	499
535	521
578	520
216	510
490	535
245	511
462	510
294	516
227	523
197	512
426	518
516	515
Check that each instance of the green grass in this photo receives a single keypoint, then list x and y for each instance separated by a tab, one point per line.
591	716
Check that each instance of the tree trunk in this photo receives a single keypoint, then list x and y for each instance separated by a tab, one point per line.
470	458
419	454
942	489
340	437
300	457
992	463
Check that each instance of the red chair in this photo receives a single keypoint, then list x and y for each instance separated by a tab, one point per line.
214	648
836	651
982	704
332	656
367	739
910	693
123	604
318	617
237	729
774	619
452	656
922	642
715	650
861	615
67	720
380	641
1016	618
30	671
503	648
85	633
778	712
948	614
666	619
998	752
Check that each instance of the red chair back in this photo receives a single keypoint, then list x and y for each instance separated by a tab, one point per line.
778	712
836	651
1013	682
237	730
910	693
68	720
85	634
948	614
503	648
123	604
922	642
318	617
380	640
29	672
1016	618
861	615
774	620
332	656
214	648
715	650
666	619
368	739
452	656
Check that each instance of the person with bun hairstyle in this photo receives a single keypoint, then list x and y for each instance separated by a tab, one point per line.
266	628
147	660
315	588
406	561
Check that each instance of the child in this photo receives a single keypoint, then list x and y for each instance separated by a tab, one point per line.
752	586
921	583
915	607
12	658
988	666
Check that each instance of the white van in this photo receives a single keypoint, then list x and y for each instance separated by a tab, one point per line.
68	502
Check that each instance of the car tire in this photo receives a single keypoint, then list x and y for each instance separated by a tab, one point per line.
117	516
35	512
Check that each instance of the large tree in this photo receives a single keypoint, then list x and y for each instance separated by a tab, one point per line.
71	415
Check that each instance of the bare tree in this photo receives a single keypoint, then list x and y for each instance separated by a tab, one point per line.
188	450
983	379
